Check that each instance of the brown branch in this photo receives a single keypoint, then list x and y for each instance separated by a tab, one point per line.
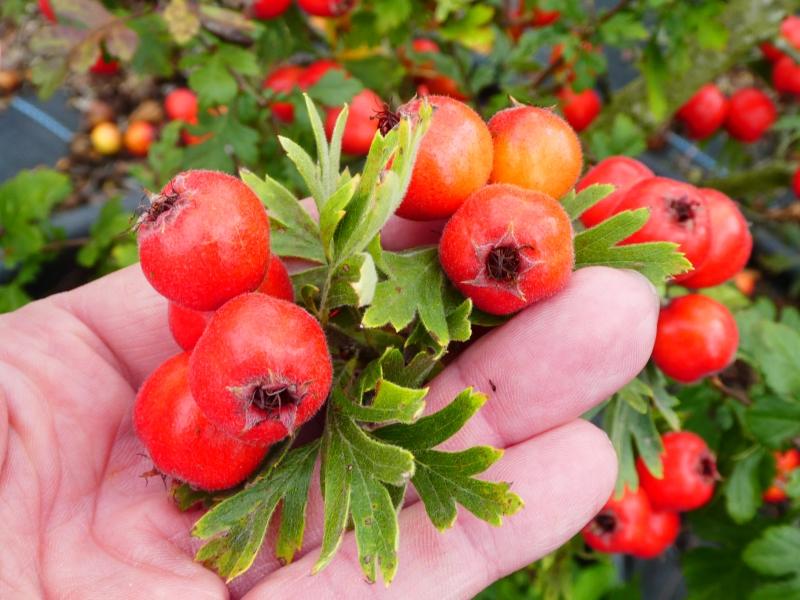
737	394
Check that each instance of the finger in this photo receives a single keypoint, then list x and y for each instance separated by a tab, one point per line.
128	316
564	476
556	359
400	234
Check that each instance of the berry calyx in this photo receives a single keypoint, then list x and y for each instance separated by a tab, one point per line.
621	523
689	476
705	112
731	242
535	149
181	441
261	368
621	172
695	337
677	214
204	240
751	114
446	173
507	247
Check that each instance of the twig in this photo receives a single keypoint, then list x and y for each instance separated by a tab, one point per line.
734	393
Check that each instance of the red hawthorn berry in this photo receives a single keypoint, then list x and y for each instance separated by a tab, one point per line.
678	214
580	109
621	172
181	441
204	240
621	523
187	325
789	31
361	125
786	76
785	463
181	105
796	182
542	18
326	8
690	474
47	11
695	337
705	112
507	247
746	280
103	66
269	9
661	531
261	368
316	71
138	137
750	115
731	242
536	149
454	159
282	81
433	82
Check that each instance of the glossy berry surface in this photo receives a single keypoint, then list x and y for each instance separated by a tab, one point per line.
731	242
446	173
785	463
187	325
620	171
661	531
689	477
580	108
261	368
695	337
751	114
204	240
361	125
282	81
678	214
536	149
507	247
269	9
180	440
326	8
620	524
705	112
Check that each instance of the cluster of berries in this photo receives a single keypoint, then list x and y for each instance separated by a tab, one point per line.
645	522
271	9
255	365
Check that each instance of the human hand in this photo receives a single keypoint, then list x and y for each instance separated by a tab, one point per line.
79	521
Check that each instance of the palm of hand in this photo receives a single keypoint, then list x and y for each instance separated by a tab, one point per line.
79	521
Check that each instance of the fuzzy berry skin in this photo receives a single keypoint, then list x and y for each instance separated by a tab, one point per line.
621	523
621	172
187	325
662	530
269	9
204	240
361	125
786	76
751	114
282	81
180	440
507	247
690	474
536	149
705	112
316	71
181	105
695	337
261	368
785	463
731	242
678	214
580	108
454	159
326	8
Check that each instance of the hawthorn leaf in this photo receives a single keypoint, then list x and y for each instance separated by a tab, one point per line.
775	554
334	211
627	426
577	204
234	529
306	166
655	260
351	284
742	489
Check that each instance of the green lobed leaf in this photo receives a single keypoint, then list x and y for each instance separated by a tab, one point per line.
234	529
713	573
112	222
334	88
351	284
742	490
777	355
772	420
655	260
577	204
392	403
